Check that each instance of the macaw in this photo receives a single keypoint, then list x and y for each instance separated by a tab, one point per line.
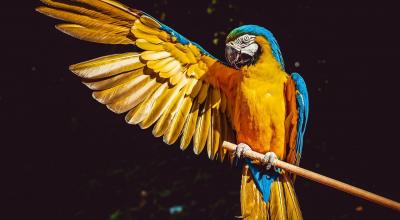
174	84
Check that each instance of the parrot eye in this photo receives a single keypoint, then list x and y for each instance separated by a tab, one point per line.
246	38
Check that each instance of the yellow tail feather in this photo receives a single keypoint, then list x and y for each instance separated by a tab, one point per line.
282	204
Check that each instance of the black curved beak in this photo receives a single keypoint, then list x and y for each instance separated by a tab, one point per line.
236	57
232	55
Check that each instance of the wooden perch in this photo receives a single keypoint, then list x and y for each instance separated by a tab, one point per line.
320	179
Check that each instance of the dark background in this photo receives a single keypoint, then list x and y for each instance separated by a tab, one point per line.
68	157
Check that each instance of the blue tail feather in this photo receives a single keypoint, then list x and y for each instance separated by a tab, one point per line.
262	178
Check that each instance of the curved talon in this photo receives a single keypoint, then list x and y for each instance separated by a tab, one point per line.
240	149
269	159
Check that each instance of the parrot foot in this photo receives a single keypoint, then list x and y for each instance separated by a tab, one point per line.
240	149
269	159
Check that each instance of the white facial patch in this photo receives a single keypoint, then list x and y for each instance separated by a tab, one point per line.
251	49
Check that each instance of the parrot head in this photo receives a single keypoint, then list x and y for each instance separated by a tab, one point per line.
242	48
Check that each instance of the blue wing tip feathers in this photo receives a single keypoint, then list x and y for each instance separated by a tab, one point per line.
303	109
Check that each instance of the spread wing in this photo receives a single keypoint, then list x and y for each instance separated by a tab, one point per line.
296	121
171	82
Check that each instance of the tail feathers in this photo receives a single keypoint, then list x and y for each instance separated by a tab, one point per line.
293	208
282	204
277	203
252	203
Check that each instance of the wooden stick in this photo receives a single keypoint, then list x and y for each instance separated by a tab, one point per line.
321	179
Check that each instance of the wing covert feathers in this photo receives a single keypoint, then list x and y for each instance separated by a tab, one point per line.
163	85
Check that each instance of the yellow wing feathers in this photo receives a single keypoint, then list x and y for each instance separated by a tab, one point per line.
188	106
169	85
101	21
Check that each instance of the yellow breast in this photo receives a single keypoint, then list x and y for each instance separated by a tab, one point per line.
259	109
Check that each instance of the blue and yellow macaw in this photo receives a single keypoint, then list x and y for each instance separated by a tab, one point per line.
184	91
